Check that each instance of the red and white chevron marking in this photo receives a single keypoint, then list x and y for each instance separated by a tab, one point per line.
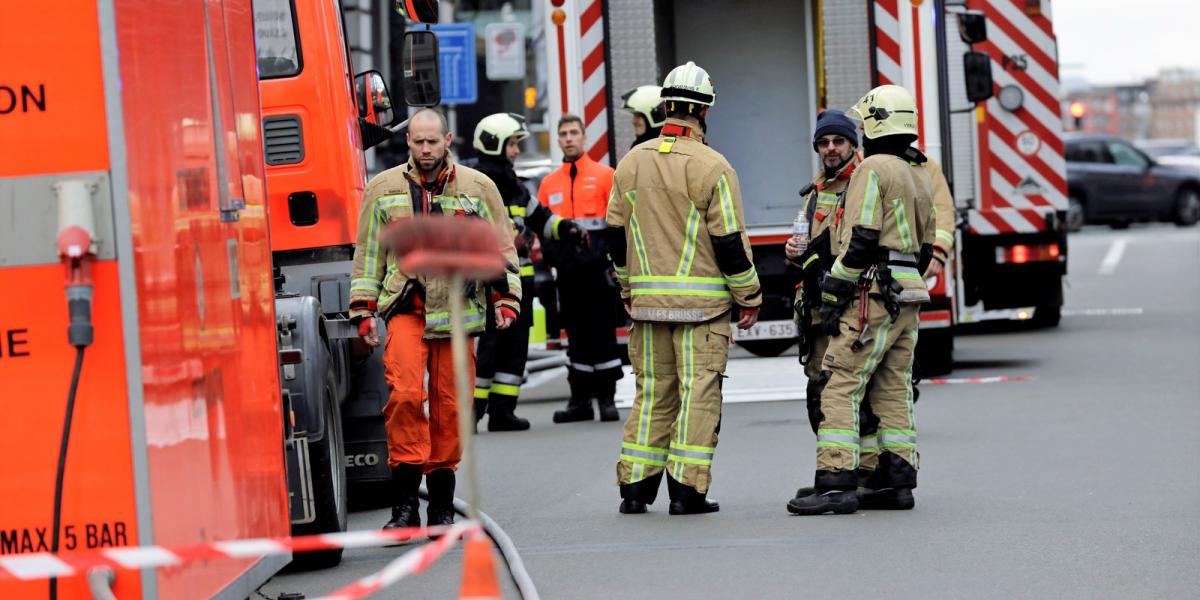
595	87
43	565
1023	173
888	60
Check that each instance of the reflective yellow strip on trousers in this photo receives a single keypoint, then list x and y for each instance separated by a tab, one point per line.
687	385
682	454
647	396
868	367
505	389
639	454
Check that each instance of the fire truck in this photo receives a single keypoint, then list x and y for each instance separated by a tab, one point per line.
173	395
985	77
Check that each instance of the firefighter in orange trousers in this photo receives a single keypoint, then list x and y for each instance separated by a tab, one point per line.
587	290
416	311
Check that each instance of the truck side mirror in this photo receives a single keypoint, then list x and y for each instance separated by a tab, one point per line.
374	102
419	55
977	72
420	11
972	27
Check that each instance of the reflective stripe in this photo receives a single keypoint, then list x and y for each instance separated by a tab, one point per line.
592	223
843	272
693	455
514	281
868	209
826	199
646	455
647	396
679	450
902	224
666	144
509	378
441	321
608	364
389	201
506	390
689	244
745	279
914	276
897	271
810	261
550	231
894	256
482	382
365	284
583	368
516	211
891	437
869	444
527	271
622	272
727	212
840	436
638	244
945	236
481	393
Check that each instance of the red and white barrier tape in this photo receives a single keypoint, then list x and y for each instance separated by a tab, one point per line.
413	562
43	565
954	381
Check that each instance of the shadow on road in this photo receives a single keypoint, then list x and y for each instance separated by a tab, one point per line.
1000	363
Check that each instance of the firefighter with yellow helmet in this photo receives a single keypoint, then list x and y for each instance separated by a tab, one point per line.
645	106
679	246
870	303
502	353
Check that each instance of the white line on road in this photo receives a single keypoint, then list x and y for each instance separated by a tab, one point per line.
1113	257
1102	312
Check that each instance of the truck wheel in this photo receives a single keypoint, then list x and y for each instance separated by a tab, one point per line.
1075	214
767	348
935	351
1047	316
328	458
1187	207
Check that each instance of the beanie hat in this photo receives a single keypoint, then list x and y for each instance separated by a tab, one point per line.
833	121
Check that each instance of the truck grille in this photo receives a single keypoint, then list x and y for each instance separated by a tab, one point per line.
283	141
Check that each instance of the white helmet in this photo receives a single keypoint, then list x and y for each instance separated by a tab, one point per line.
493	132
886	110
689	83
646	100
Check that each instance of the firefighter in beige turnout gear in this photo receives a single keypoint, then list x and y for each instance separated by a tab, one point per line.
681	253
871	299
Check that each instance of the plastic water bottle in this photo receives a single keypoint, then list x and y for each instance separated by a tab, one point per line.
800	232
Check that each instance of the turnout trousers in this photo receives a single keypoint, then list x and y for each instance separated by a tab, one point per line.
884	366
818	377
677	410
501	358
588	306
431	442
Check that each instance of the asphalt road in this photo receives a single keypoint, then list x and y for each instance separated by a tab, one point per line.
1080	482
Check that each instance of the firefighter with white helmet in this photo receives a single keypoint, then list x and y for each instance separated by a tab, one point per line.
644	104
870	304
500	367
679	246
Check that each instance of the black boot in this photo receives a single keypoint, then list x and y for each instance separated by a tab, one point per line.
890	486
406	479
685	500
579	408
833	492
440	511
501	415
636	496
608	408
886	499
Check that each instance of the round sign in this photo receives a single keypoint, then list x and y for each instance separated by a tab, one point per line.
1028	143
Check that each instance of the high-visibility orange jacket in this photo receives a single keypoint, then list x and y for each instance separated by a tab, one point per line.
578	190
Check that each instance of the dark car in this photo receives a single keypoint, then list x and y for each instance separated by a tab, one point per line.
1110	181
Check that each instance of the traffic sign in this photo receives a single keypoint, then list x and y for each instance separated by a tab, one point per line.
456	44
504	48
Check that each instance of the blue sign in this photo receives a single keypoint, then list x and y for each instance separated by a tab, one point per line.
456	54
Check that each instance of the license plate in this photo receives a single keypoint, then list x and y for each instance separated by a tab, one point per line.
767	330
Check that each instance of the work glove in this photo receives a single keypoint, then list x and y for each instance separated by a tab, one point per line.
835	295
570	232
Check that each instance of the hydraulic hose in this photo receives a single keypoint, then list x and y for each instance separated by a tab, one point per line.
508	550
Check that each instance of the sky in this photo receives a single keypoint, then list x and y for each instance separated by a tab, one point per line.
1125	41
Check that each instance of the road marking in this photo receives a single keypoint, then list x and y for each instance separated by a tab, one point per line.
1102	312
1113	257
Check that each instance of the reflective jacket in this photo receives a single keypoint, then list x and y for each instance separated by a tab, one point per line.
677	230
944	212
578	190
378	285
888	220
529	217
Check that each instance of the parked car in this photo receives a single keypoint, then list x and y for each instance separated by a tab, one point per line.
1110	181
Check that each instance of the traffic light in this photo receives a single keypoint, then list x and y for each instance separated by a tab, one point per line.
1078	111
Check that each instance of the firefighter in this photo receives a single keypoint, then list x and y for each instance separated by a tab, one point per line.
415	310
587	290
836	141
500	366
870	303
682	256
644	104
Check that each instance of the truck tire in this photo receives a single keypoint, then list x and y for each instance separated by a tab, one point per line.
328	458
935	351
767	348
1187	207
1047	316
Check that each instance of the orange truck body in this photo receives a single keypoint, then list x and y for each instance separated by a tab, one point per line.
178	427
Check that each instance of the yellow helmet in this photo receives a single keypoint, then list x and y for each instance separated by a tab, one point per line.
689	83
646	100
886	110
493	131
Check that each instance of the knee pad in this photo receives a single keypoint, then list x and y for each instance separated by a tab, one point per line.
813	399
